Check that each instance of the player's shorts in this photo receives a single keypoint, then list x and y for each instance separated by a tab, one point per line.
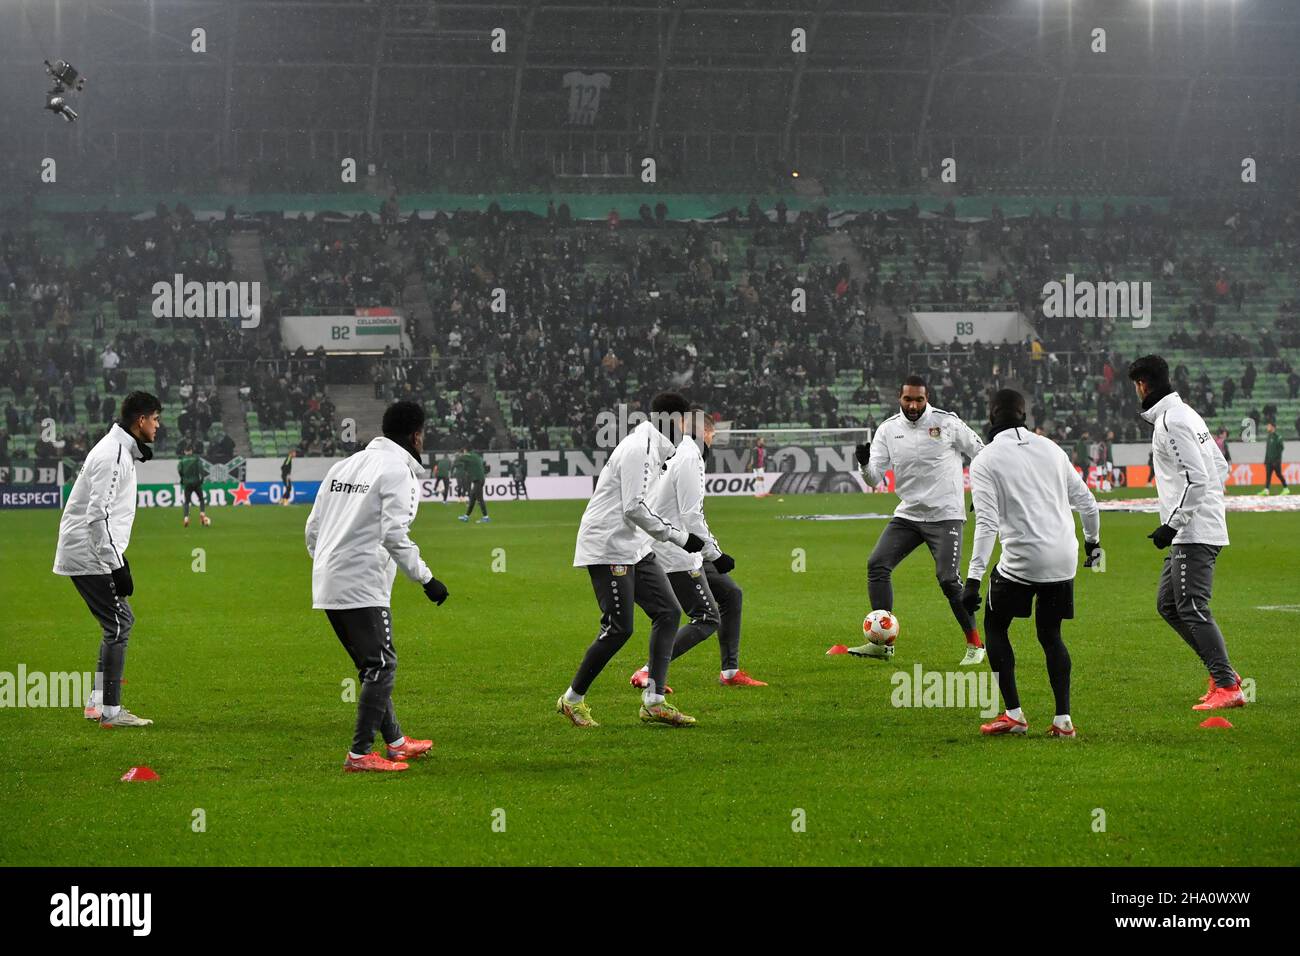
366	633
1012	598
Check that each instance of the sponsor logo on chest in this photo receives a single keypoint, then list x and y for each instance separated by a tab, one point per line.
347	487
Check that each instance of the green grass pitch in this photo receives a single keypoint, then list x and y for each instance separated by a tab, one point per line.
244	680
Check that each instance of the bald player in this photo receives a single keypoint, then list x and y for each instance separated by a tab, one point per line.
923	445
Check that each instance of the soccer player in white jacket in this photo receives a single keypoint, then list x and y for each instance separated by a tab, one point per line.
358	535
1024	488
1190	475
614	545
702	581
94	533
924	446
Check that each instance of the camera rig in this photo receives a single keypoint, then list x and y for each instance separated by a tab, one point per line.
65	77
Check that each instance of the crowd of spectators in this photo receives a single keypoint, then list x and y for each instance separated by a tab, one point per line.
597	317
56	321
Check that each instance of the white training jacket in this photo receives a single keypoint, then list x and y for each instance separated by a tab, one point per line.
358	529
1023	488
1190	473
96	525
619	523
926	458
678	498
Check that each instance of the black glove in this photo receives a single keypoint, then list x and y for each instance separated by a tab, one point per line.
1091	553
693	543
725	563
436	591
1163	536
862	453
970	595
122	582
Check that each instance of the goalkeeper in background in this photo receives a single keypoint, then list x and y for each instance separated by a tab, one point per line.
442	477
192	470
286	476
1273	446
760	468
473	468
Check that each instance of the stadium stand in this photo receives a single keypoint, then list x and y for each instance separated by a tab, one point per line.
597	311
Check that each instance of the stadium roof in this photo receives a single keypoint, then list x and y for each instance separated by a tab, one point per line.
928	77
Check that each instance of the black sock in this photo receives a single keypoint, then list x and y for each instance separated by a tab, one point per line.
600	653
997	638
1058	660
372	707
112	655
389	728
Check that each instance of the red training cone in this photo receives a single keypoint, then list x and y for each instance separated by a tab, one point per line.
838	649
1216	722
138	773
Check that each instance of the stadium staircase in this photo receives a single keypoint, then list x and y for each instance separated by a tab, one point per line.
889	319
489	400
839	246
358	403
246	260
415	297
248	264
232	419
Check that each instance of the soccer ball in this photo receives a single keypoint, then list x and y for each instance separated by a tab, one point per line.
880	627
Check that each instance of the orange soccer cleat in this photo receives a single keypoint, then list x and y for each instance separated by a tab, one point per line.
1222	697
370	762
1210	685
740	680
1004	724
641	678
409	749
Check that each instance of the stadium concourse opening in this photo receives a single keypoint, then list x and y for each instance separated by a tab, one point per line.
607	363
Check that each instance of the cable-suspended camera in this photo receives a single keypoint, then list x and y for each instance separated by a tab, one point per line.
65	77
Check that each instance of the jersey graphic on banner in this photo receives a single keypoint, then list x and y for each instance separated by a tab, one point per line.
584	96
